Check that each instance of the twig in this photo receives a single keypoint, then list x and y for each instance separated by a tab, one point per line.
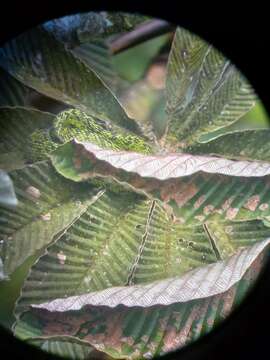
142	33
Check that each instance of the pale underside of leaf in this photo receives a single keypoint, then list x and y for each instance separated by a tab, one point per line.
204	91
38	60
123	240
120	240
105	244
246	144
112	243
200	283
207	194
165	167
47	204
140	332
29	135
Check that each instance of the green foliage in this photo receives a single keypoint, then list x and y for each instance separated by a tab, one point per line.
204	90
13	93
124	332
103	199
238	144
31	135
49	68
23	131
96	55
66	348
46	205
256	118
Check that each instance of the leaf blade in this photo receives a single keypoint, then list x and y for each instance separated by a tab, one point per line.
38	216
221	275
204	91
17	126
201	196
37	59
141	250
13	93
238	144
66	347
138	332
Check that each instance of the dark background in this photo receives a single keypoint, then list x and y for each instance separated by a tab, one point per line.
243	36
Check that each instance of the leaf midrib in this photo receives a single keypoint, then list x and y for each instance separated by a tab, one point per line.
133	268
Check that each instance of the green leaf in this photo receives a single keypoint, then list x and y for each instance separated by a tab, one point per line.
7	195
255	119
196	188
95	54
175	253
38	60
30	135
13	93
137	332
18	145
47	204
246	144
67	347
214	279
123	239
204	90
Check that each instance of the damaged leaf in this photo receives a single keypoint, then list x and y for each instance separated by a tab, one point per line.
213	279
132	242
124	332
122	239
144	237
194	187
46	205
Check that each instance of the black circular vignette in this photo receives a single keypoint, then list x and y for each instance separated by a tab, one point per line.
243	37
